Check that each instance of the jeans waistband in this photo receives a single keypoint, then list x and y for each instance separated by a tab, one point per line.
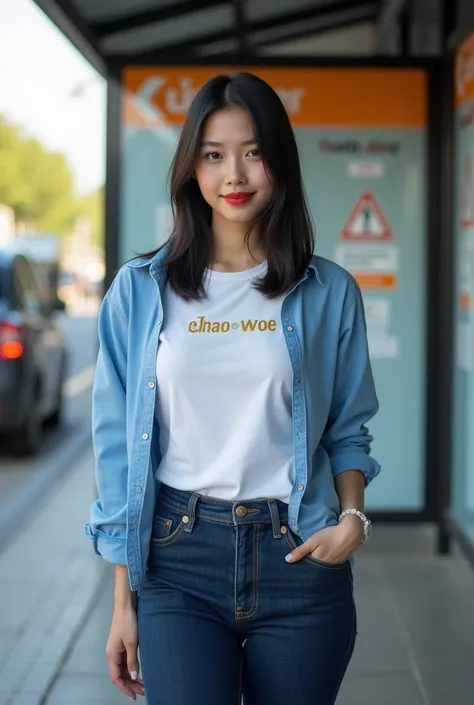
253	511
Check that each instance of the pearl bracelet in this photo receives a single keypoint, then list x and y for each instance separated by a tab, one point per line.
367	523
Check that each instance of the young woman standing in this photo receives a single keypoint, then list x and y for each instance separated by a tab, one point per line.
231	397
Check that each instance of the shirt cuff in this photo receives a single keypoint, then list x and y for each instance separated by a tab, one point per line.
110	548
354	460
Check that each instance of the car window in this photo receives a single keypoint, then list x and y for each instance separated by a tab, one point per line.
3	287
18	301
28	285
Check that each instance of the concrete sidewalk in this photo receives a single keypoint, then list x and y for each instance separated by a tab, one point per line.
415	615
50	584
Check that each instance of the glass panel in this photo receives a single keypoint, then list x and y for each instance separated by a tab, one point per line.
463	414
364	166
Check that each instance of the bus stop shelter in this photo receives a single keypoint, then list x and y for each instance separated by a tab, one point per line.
380	93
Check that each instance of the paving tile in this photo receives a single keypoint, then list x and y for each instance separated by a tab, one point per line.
381	643
88	690
46	595
382	689
449	681
434	600
88	654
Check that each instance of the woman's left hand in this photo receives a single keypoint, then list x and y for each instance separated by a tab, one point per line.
334	544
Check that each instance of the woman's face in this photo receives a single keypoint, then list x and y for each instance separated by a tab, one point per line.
230	170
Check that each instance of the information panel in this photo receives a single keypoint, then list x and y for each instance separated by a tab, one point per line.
463	421
362	139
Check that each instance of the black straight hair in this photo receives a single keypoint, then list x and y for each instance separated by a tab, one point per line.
285	225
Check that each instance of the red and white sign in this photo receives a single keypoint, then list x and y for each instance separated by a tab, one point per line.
367	223
467	196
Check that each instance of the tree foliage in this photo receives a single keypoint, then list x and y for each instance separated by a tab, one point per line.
35	182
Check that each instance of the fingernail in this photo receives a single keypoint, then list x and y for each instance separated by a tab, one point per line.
289	558
134	675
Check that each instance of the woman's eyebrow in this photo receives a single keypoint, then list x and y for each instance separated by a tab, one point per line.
209	143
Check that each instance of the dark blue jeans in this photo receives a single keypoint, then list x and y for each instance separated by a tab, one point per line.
222	616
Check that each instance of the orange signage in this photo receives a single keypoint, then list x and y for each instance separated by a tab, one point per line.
467	193
356	97
464	71
464	301
367	223
376	281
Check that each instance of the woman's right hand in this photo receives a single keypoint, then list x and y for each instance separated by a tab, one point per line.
122	652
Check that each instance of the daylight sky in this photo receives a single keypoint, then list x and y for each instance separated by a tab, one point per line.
50	89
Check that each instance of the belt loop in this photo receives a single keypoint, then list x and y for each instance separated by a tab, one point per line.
275	518
193	500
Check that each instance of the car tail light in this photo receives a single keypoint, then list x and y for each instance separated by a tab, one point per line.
11	341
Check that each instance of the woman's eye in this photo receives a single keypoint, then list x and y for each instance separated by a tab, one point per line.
254	153
212	156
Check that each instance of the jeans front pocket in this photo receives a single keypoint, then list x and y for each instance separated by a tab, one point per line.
294	541
168	525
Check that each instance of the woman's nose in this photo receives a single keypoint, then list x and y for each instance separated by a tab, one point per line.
235	173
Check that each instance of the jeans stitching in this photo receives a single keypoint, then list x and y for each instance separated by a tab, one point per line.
256	576
168	540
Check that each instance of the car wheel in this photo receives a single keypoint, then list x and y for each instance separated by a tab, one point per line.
55	419
27	440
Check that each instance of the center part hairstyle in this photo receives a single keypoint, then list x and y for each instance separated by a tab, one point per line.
284	225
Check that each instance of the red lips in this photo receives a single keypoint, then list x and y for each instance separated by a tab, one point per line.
238	199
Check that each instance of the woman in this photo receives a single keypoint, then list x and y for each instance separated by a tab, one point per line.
231	394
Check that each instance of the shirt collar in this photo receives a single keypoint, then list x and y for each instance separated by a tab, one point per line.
155	262
313	267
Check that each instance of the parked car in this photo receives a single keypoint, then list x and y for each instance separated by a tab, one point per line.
33	355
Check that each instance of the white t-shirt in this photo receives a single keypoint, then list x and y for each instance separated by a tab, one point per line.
224	392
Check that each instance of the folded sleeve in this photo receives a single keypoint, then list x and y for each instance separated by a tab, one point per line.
346	438
107	525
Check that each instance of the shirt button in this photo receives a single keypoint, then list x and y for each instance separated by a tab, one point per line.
138	490
300	487
145	436
290	328
151	385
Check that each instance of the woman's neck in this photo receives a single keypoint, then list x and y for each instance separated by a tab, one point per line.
232	252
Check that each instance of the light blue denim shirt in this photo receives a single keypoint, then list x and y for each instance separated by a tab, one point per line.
333	399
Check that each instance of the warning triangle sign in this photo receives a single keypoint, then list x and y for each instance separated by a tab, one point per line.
467	196
367	222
